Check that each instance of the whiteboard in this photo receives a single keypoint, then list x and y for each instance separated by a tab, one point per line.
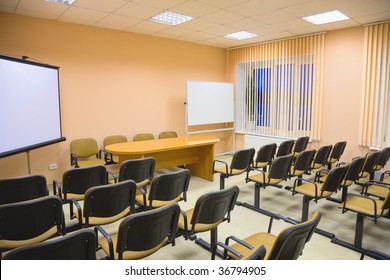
209	102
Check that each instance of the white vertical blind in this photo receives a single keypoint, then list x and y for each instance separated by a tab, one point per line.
279	87
375	98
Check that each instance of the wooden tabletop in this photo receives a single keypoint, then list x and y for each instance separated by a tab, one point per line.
159	145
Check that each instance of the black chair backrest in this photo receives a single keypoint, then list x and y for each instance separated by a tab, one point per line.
22	188
137	169
266	153
335	178
109	200
301	144
292	240
79	245
280	167
214	207
354	169
79	180
322	155
145	230
338	150
168	186
370	162
383	157
242	159
304	160
285	148
28	219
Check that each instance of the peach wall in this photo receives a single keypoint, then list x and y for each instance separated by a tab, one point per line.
111	82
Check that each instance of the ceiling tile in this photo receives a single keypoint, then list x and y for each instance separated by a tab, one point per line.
147	27
138	11
194	9
36	14
368	9
222	3
293	24
42	7
198	24
244	24
221	17
119	21
309	8
100	5
373	18
198	36
274	16
9	3
251	8
83	14
166	4
220	30
176	30
286	3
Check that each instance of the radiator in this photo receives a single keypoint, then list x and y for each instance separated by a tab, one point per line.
257	141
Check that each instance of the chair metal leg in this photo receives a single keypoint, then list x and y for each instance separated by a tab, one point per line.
257	195
359	230
222	182
305	208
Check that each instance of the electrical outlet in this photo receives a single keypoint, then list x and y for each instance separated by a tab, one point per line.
52	166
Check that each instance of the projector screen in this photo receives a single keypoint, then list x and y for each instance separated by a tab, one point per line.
30	114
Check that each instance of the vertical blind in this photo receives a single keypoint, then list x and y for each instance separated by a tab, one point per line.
375	111
279	87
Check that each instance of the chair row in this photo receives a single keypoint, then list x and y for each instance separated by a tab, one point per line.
138	236
327	182
85	151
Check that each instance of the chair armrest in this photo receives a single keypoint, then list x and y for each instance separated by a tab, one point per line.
319	173
303	180
261	171
238	240
57	188
108	238
79	211
225	251
113	175
387	172
220	161
184	214
364	197
341	163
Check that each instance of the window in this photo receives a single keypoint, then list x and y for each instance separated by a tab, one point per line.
279	87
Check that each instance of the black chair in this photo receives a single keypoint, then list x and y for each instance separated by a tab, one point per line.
321	157
141	234
382	159
302	164
22	188
300	145
287	245
285	148
377	188
29	222
278	172
336	153
141	171
106	204
365	206
210	210
241	163
318	190
79	245
367	170
264	156
75	182
164	189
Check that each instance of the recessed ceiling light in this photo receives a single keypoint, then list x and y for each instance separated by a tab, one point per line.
241	35
65	2
326	17
170	18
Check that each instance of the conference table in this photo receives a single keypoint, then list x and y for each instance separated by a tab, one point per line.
196	152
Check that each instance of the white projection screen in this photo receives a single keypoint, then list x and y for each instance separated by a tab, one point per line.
209	102
30	114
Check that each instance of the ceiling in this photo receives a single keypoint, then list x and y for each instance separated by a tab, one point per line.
269	19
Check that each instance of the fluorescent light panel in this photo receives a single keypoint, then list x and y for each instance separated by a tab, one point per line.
326	17
241	35
64	2
170	18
